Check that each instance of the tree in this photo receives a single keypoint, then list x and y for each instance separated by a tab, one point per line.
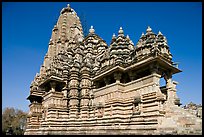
13	121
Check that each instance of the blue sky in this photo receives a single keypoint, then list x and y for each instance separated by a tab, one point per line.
27	27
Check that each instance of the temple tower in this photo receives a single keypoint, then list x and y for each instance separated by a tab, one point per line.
88	87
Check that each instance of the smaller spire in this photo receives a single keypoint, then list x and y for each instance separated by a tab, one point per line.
128	37
142	35
148	29
55	28
159	33
113	37
37	74
80	39
91	30
165	40
50	42
131	42
120	31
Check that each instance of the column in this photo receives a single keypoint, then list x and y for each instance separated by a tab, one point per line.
156	88
156	78
117	77
65	99
52	85
73	93
131	75
107	80
85	85
171	88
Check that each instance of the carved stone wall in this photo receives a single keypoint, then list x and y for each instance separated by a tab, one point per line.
87	87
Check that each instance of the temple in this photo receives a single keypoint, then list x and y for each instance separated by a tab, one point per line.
88	87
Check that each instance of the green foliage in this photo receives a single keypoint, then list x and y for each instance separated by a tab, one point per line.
13	120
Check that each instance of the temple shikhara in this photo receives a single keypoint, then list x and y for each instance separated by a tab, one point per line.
85	86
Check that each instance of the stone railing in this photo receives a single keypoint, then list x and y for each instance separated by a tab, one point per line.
141	82
36	108
49	100
107	92
124	91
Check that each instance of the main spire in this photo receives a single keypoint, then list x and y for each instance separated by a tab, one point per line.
68	28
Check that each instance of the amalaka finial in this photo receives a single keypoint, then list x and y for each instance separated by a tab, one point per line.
66	9
120	31
91	30
69	8
148	29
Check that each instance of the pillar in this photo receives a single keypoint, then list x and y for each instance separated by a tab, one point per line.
73	93
117	77
171	88
107	80
131	75
156	77
85	86
52	85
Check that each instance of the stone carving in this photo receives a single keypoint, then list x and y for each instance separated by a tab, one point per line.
73	84
136	103
85	85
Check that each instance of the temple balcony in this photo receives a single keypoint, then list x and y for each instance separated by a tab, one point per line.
52	83
36	108
122	91
141	65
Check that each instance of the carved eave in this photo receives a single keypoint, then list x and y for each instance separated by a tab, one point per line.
36	97
108	72
58	80
165	65
36	92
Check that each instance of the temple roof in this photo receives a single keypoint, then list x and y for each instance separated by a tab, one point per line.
70	51
68	27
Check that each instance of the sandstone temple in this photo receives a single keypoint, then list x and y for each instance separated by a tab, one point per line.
85	86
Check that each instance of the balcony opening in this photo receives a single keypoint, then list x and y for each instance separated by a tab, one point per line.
162	82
